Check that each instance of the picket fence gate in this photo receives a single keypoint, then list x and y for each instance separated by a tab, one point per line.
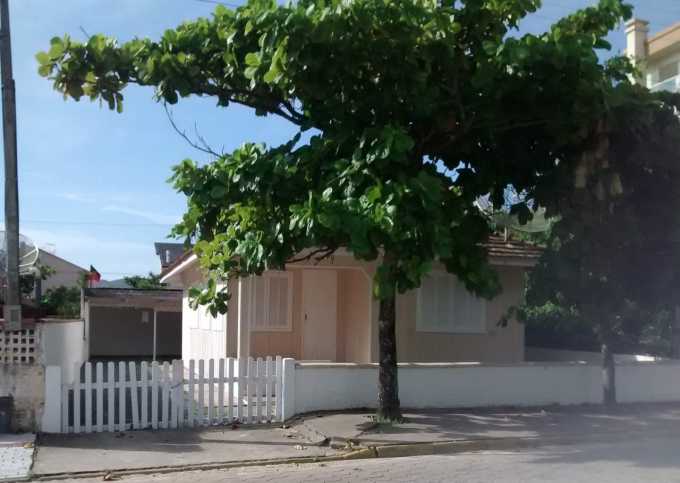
131	395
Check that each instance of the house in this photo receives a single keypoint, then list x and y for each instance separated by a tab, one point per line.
169	252
326	312
65	274
657	56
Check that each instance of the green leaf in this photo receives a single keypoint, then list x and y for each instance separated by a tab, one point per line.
252	59
42	58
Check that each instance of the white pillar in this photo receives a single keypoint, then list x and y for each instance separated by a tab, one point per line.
51	418
244	291
636	42
154	334
288	389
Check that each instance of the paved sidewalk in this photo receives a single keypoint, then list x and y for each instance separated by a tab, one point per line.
439	426
73	453
615	461
16	456
315	437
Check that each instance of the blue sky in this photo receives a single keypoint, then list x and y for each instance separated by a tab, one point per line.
92	182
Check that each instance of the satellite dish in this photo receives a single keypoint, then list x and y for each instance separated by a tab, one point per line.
28	254
503	219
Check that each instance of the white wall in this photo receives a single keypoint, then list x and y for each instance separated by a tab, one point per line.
541	354
203	336
344	386
63	344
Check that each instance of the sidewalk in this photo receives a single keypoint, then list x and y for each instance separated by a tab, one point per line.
348	435
16	456
493	428
136	450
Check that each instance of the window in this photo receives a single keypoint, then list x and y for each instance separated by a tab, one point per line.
667	71
272	302
445	305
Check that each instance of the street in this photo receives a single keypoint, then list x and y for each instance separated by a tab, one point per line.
648	459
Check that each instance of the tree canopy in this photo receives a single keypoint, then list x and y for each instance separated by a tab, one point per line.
148	282
398	95
612	257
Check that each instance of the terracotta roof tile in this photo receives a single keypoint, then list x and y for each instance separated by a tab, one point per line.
500	247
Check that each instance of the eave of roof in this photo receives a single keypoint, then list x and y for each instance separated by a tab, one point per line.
501	251
178	266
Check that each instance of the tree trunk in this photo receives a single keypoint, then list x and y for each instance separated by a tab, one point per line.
388	390
608	375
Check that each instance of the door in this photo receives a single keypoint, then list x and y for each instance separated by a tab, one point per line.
319	314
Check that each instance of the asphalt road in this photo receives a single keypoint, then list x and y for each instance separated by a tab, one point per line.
647	459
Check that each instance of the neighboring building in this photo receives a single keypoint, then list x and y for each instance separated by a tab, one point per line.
326	312
657	56
132	324
169	252
65	273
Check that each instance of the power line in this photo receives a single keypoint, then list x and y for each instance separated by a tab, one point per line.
92	223
216	2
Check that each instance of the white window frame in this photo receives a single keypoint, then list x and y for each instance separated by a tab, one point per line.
423	327
252	299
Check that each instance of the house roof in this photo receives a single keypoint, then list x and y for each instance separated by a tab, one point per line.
500	247
664	42
501	250
169	252
176	263
44	254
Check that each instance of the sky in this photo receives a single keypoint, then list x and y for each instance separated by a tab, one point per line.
93	183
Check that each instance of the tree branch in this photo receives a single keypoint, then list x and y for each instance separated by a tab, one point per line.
318	255
202	145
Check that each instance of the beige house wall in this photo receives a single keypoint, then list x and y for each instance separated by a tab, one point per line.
498	344
352	330
355	311
356	338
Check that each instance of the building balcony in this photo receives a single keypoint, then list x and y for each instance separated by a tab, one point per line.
671	84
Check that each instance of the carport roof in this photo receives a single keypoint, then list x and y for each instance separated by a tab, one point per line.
166	299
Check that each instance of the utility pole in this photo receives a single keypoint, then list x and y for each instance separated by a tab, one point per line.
12	308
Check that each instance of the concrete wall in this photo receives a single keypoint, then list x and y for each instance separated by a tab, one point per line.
26	384
344	386
63	344
120	332
540	354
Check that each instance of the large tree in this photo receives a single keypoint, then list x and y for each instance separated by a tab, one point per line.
612	257
398	95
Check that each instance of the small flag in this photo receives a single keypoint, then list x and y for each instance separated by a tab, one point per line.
94	275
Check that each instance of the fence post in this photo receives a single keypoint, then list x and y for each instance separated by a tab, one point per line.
51	420
288	389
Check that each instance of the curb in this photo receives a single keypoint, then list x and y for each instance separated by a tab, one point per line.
495	444
357	454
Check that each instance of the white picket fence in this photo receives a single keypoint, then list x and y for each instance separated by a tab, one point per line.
131	395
